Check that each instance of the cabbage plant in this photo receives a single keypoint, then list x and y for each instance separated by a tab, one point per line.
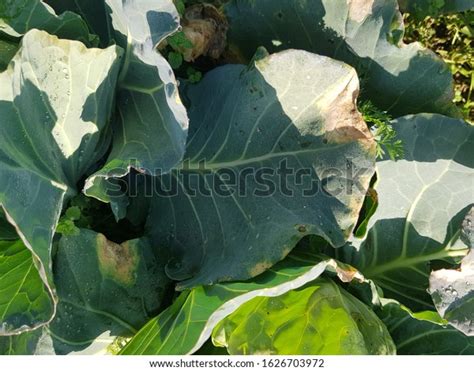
190	177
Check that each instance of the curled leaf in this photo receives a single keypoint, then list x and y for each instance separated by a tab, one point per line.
206	28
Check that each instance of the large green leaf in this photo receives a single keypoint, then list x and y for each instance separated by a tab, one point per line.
186	325
423	333
422	202
17	17
452	290
321	318
151	127
94	12
277	151
423	8
365	34
55	102
103	286
24	303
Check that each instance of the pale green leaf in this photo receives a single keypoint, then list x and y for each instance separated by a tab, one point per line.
25	303
320	318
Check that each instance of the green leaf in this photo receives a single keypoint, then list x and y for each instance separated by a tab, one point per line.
320	318
67	227
452	290
368	210
423	333
55	101
151	126
175	59
194	76
422	201
180	6
398	78
186	325
178	41
25	303
103	286
17	17
36	342
73	213
94	12
254	120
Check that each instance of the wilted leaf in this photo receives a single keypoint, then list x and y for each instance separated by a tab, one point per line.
205	30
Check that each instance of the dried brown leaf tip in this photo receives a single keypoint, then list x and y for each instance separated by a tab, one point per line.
206	27
117	262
